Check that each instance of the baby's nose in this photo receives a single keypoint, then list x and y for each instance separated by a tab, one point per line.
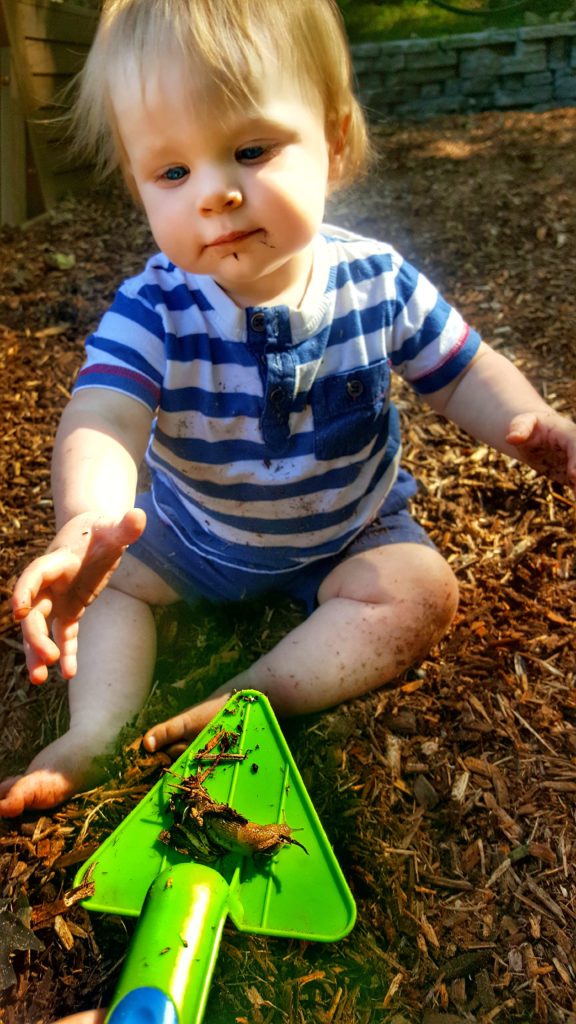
221	201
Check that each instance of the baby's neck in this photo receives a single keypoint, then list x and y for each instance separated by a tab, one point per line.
292	295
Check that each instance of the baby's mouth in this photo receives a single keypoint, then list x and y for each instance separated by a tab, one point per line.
233	238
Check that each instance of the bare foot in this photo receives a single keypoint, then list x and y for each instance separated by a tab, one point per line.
87	1017
58	772
178	732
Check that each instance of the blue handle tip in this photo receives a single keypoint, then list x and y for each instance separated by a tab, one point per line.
144	1006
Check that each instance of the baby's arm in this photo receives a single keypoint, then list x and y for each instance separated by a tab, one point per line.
495	403
99	445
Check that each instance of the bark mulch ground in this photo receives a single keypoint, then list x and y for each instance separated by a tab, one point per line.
450	796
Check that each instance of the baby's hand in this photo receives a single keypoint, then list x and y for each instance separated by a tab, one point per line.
53	592
547	442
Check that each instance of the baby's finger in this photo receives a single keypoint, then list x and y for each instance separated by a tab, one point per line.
35	631
35	627
40	650
66	637
37	669
59	565
522	428
107	545
131	526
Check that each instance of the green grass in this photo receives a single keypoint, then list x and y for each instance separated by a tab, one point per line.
404	19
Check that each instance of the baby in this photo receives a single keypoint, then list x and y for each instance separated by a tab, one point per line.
249	363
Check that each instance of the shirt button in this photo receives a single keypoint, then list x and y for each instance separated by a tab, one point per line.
354	388
258	322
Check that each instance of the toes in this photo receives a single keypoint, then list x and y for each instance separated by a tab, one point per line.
87	1017
12	802
37	791
6	785
175	730
183	728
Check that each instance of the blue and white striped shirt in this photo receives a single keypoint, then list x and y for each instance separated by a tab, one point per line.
275	441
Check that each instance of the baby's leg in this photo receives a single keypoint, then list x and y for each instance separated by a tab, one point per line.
379	612
116	656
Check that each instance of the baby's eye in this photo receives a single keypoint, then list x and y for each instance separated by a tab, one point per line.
256	153
174	174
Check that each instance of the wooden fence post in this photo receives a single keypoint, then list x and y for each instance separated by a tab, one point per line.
43	45
13	199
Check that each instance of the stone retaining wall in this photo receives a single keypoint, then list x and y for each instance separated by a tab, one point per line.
525	68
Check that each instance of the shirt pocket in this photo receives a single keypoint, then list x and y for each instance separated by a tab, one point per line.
348	409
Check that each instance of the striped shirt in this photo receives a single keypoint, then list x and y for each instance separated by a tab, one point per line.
275	440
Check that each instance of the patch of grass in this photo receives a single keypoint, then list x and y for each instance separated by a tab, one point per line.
201	650
405	19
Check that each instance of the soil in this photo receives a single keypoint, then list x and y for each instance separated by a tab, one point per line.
449	796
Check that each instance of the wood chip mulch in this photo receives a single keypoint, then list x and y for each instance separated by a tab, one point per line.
450	797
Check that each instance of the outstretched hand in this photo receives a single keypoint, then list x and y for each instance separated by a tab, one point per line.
53	592
547	443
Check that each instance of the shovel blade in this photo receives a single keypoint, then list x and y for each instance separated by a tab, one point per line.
294	893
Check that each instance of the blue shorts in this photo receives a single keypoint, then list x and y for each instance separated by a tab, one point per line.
194	577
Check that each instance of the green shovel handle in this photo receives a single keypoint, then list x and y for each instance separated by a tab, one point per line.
169	965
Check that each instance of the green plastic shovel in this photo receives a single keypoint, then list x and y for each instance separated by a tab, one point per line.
183	903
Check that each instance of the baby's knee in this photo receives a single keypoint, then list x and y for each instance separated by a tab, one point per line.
427	601
398	576
423	590
443	594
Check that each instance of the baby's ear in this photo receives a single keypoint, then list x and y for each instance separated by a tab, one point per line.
337	141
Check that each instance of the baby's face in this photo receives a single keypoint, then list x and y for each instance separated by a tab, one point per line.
238	195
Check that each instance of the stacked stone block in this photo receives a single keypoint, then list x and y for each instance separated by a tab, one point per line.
527	68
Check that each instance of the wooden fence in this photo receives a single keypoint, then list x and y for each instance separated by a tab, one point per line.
43	44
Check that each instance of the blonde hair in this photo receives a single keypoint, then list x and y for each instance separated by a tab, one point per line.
226	45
